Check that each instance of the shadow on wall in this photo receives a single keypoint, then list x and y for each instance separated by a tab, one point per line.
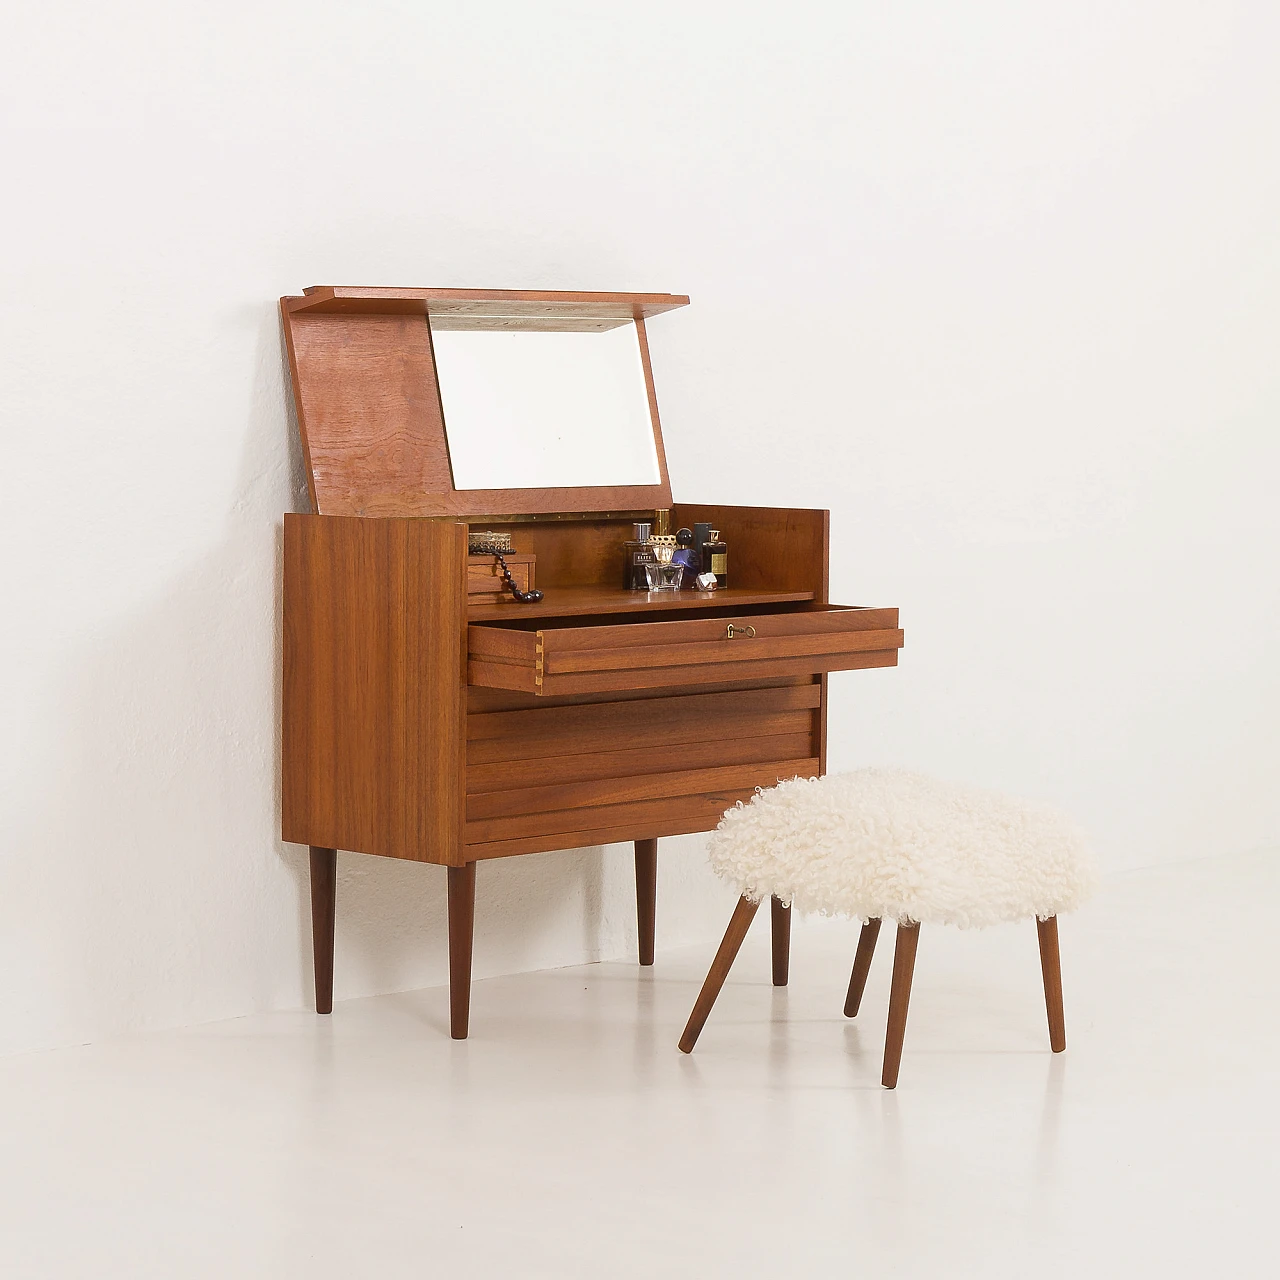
146	883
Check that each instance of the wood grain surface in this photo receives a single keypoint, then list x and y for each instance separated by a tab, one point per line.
774	548
580	659
642	818
364	381
374	694
652	723
646	785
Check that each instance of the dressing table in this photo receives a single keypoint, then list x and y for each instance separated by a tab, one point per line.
430	718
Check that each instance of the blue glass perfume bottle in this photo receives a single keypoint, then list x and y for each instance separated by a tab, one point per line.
686	554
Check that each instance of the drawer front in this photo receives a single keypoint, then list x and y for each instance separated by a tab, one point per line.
567	776
640	655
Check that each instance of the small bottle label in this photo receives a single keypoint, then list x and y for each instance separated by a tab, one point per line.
720	562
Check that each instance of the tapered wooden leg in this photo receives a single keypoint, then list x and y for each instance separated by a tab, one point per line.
324	892
462	915
1051	971
861	967
739	923
780	916
646	896
904	964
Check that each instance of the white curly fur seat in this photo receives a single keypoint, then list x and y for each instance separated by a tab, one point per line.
885	843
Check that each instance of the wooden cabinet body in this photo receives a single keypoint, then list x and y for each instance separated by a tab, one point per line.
420	723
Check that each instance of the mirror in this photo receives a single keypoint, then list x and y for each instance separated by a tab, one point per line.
532	409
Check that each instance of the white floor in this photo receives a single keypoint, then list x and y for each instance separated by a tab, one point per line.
569	1138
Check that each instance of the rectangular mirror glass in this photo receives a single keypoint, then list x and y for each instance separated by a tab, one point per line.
544	410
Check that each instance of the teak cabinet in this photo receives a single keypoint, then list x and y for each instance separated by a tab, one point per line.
421	723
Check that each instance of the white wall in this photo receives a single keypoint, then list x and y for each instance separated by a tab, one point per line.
996	283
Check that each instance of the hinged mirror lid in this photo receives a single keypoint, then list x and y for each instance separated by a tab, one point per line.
368	398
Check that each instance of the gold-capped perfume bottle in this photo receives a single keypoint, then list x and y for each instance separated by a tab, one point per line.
663	574
715	559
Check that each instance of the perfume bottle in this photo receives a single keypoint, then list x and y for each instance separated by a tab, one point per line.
715	558
662	574
637	555
687	555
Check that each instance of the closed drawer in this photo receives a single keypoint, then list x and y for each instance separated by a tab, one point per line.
563	776
589	658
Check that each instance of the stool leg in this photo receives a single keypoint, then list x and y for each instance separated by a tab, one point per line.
1051	971
861	967
739	923
904	964
780	914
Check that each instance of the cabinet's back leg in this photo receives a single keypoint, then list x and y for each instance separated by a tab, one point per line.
646	896
324	888
462	915
739	923
1051	971
861	967
780	918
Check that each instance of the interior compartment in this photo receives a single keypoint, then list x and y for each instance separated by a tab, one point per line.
776	557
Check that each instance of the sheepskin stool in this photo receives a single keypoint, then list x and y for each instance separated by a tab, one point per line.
884	844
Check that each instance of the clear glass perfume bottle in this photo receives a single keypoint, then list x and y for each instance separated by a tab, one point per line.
663	574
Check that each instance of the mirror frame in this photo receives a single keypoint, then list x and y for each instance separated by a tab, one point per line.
368	400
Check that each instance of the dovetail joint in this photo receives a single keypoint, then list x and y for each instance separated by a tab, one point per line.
537	660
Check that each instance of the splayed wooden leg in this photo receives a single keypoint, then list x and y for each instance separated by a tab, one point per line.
904	964
739	923
861	967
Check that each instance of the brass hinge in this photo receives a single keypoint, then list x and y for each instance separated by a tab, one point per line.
537	660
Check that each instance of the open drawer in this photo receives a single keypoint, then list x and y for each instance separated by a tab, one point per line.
564	657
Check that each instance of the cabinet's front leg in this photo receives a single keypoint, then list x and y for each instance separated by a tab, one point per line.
780	913
462	917
646	896
324	890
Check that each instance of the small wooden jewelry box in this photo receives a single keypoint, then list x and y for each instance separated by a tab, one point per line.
484	576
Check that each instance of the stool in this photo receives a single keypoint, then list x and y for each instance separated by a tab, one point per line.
885	844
